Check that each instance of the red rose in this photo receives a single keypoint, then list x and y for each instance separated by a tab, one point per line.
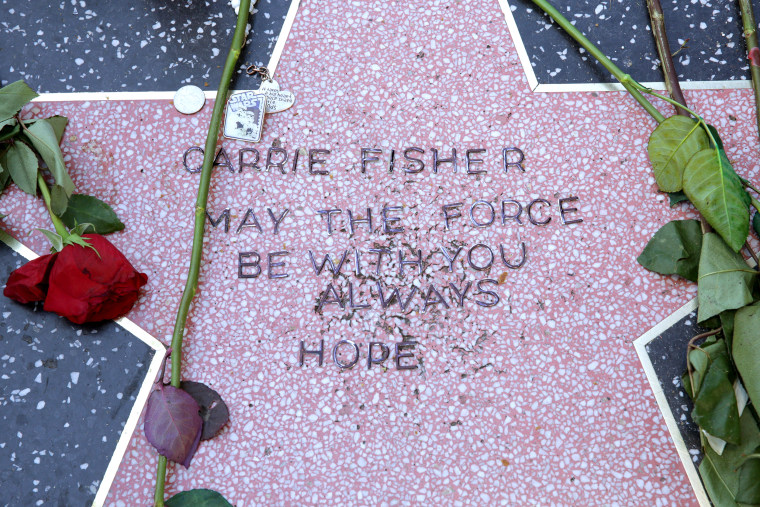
82	285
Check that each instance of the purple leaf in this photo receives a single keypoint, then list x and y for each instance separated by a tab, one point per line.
214	411
172	424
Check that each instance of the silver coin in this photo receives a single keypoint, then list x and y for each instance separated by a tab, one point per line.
189	99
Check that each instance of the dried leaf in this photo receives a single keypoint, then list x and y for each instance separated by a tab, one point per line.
749	480
700	360
676	197
214	411
674	250
172	424
725	279
721	474
727	321
670	147
715	407
717	192
746	350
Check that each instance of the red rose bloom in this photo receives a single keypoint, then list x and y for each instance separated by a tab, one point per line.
81	286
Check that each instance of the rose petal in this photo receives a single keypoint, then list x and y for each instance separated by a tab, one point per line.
90	286
29	283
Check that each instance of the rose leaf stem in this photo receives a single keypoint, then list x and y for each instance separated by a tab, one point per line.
749	184
191	286
750	36
755	203
657	18
621	76
60	228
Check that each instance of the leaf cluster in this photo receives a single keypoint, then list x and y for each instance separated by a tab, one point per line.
31	147
730	467
690	163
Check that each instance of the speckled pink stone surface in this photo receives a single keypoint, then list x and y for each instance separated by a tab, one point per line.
538	400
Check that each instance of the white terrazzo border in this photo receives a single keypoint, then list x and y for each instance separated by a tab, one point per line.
683	453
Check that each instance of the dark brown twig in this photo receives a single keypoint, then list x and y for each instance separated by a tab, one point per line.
752	254
666	60
750	36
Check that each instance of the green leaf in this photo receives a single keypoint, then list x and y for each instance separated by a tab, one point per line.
10	130
746	350
714	188
715	407
700	360
676	197
670	147
22	165
715	135
85	208
756	223
711	323
13	97
674	250
59	125
58	200
8	122
725	279
749	481
686	383
54	238
5	176
727	321
43	137
721	473
57	122
198	498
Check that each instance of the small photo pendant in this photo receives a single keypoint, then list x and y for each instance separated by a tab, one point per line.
244	116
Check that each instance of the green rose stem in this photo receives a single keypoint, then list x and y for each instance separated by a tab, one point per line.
60	228
750	36
628	83
657	18
191	286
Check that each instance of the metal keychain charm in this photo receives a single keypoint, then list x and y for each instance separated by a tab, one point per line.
244	118
277	100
